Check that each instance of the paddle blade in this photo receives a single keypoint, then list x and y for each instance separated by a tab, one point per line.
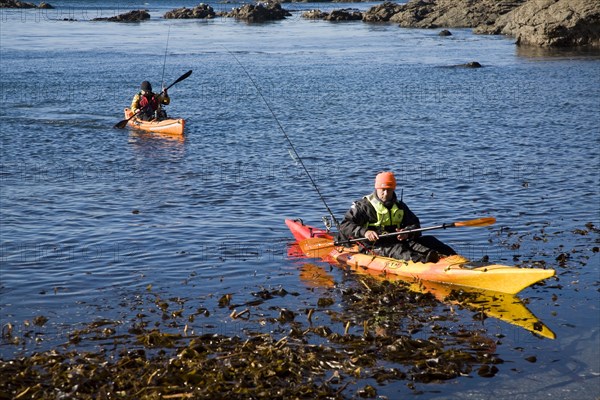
182	77
121	124
316	247
477	222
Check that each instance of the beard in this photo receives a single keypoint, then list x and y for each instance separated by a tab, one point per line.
389	203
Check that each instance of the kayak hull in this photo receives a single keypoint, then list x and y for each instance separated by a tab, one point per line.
453	270
171	126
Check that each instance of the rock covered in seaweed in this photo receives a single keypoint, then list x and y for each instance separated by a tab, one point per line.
201	11
345	14
260	12
131	16
314	14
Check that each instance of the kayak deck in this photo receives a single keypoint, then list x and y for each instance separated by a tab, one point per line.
171	126
454	270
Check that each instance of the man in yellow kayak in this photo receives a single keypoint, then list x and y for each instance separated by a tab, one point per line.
381	212
148	104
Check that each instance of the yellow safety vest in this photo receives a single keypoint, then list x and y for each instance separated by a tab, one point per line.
385	216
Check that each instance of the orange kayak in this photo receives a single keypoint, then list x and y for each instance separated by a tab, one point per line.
167	126
453	270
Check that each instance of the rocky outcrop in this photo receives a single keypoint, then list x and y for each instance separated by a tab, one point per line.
132	16
201	11
346	14
441	13
452	13
548	23
22	4
260	12
382	12
314	14
551	23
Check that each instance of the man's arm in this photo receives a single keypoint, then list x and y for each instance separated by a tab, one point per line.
355	220
135	103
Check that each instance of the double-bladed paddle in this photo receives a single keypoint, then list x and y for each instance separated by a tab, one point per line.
321	247
123	123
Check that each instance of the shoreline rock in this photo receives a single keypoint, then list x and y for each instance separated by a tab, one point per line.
546	23
441	13
551	23
382	12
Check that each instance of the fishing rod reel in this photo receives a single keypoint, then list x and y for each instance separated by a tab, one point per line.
327	222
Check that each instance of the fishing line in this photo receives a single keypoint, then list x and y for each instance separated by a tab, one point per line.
299	159
162	80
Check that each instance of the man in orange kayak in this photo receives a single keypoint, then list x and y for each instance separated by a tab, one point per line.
381	212
148	104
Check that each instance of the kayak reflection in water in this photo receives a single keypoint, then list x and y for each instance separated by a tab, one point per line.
149	104
381	212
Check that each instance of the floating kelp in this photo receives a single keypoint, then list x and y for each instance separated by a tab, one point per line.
369	331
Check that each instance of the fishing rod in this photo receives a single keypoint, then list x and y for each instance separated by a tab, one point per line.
312	181
162	80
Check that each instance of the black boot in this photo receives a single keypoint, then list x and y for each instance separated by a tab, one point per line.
432	257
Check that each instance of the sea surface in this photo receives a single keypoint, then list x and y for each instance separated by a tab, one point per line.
93	218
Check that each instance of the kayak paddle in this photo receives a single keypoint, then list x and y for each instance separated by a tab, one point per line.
321	247
121	124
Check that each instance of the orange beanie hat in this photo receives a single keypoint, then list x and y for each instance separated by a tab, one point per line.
385	180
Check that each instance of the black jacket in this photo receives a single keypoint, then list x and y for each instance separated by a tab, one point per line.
362	212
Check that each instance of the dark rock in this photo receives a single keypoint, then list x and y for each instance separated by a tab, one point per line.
132	16
201	11
551	23
45	5
260	12
346	14
471	64
445	32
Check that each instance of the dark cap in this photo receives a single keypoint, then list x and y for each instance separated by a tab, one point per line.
146	86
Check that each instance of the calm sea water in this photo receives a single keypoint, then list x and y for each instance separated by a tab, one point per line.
93	217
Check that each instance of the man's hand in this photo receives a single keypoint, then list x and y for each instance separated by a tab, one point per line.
372	236
407	235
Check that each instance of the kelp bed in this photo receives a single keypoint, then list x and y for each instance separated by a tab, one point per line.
342	343
376	333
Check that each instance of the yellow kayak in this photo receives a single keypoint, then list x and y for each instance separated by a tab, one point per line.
171	126
453	270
